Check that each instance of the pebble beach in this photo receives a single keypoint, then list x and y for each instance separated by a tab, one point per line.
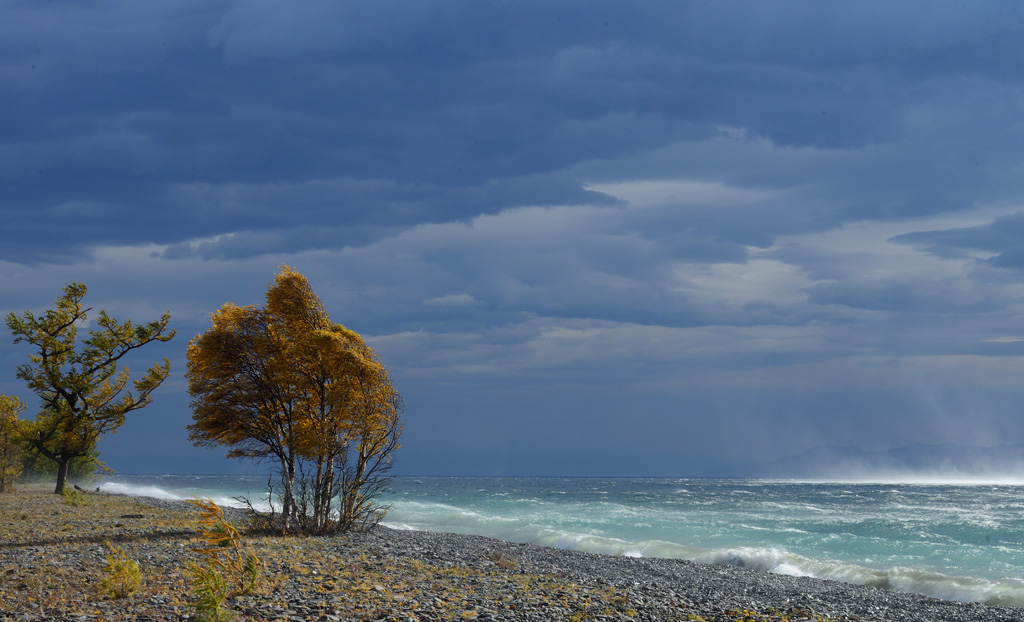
54	555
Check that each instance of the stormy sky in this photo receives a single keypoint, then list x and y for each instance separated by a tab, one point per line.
587	237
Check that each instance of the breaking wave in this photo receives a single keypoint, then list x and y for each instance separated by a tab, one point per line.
959	543
223	498
440	517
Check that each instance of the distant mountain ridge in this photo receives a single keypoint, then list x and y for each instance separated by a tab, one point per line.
920	461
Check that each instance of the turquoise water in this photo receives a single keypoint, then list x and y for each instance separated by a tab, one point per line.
959	542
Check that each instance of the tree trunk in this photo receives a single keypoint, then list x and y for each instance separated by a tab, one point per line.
322	494
62	474
290	507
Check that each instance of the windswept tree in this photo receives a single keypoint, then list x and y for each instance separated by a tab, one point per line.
10	440
284	383
85	392
378	424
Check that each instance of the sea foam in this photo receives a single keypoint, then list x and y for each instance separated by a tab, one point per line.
166	494
953	542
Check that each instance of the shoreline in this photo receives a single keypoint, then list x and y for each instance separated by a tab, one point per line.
404	575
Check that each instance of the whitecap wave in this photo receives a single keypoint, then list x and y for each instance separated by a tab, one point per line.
166	494
1006	592
154	492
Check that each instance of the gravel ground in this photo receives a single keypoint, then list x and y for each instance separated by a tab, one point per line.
53	557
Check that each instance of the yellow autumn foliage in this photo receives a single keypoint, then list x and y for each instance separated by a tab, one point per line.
283	382
10	441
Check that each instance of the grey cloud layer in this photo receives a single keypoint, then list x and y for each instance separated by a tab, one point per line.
367	116
771	200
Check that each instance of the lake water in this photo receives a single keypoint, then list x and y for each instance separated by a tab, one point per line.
953	541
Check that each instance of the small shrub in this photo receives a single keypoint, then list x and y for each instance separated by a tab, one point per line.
211	592
74	497
223	549
228	571
122	577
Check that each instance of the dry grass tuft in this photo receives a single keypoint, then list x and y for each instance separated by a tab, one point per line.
122	577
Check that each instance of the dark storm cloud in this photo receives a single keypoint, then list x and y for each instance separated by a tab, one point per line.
116	111
1002	241
712	209
909	296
